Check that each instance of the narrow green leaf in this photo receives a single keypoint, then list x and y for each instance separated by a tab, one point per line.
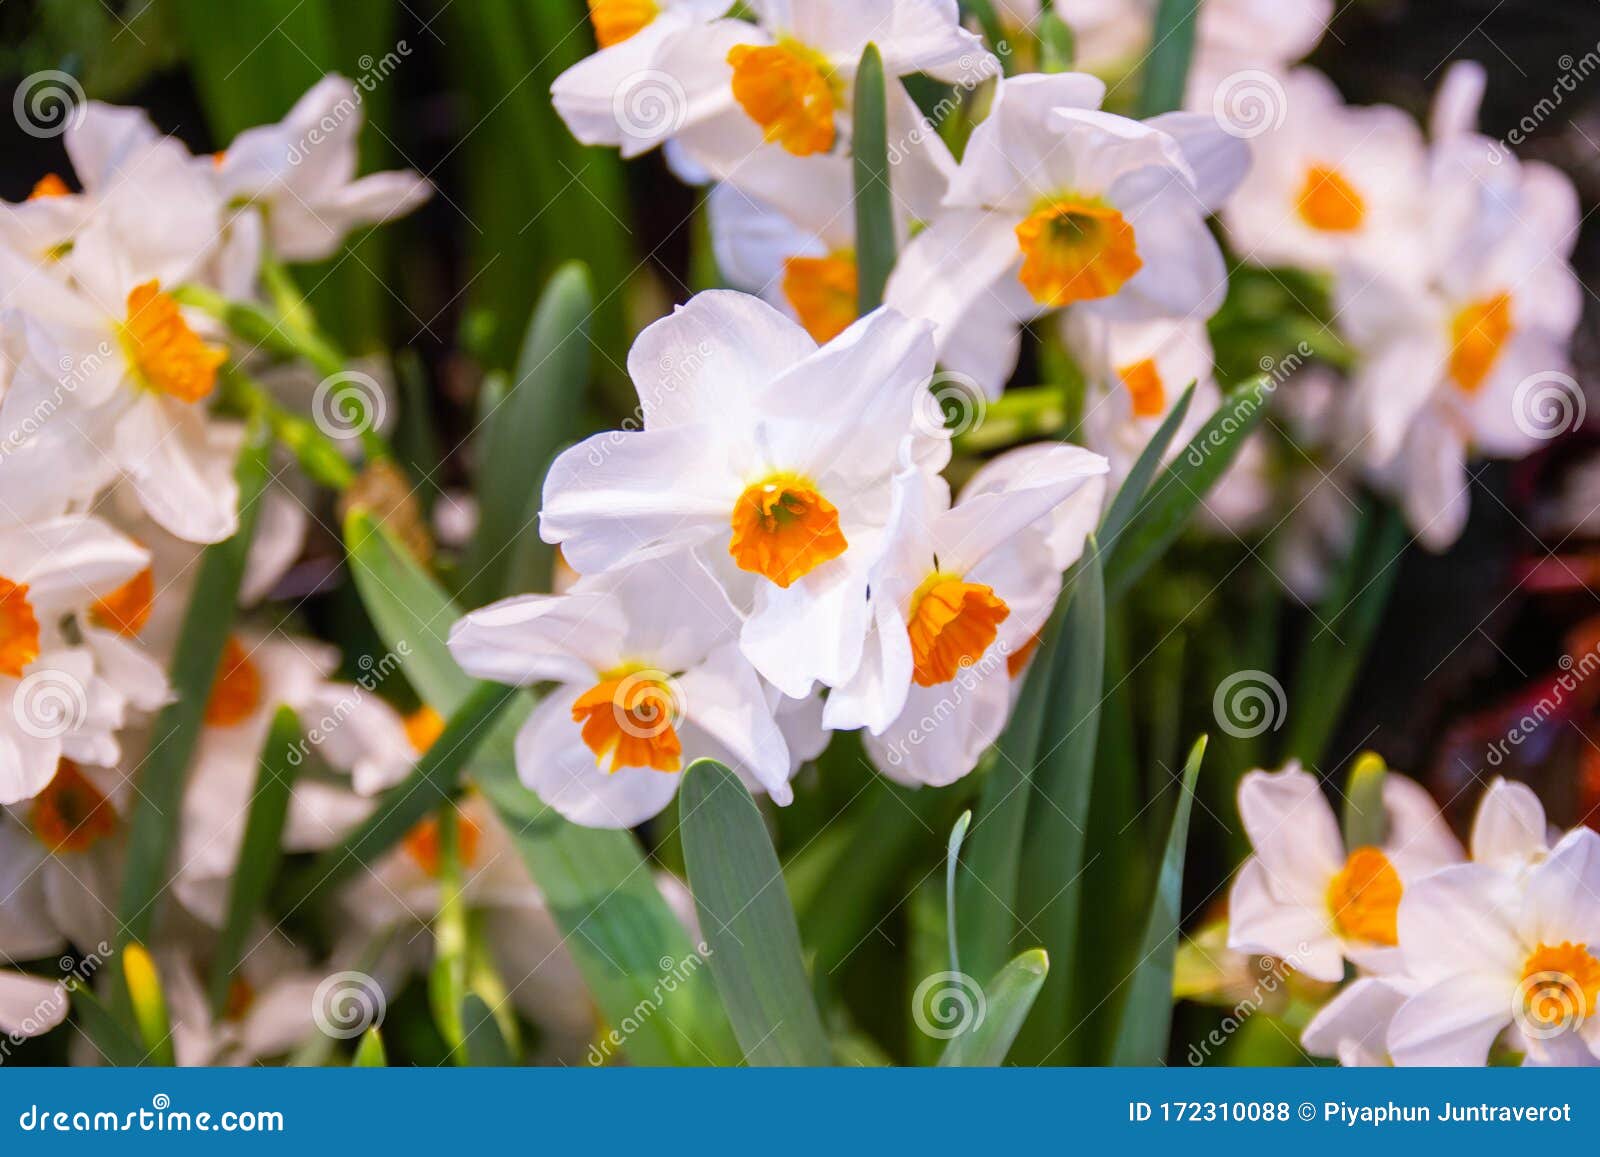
522	436
1184	484
952	860
1057	45
1051	882
869	145
1166	67
1343	631
1131	493
1007	1000
261	851
597	885
1147	1006
153	827
485	1045
370	1052
747	921
107	1033
1366	818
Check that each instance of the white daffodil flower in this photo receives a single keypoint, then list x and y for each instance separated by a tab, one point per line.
66	694
649	678
1330	183
271	1007
30	1005
1353	1027
1059	204
770	455
300	175
346	725
1490	952
957	603
1510	832
1304	897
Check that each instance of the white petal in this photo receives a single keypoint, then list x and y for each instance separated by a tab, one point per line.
30	1005
1562	897
1510	828
1460	919
530	638
1453	1023
811	631
553	761
951	265
723	696
1293	832
70	562
943	730
1419	839
182	468
1355	1022
1261	920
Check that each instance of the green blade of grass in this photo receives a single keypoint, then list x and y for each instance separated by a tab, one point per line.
261	851
1008	998
152	829
1134	487
747	921
869	146
370	1052
485	1045
1147	1005
105	1031
1166	67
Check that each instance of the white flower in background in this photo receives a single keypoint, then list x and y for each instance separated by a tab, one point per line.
66	695
270	1008
1510	832
1353	1027
957	604
649	678
1490	952
1465	351
346	726
300	175
1331	183
771	456
30	1006
1304	896
1059	204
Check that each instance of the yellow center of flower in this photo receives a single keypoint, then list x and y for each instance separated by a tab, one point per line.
127	609
71	814
1329	202
49	185
423	727
785	89
823	292
236	693
616	20
422	843
628	718
19	629
1017	661
1075	249
1143	380
1364	898
1560	984
166	354
952	624
1478	333
783	529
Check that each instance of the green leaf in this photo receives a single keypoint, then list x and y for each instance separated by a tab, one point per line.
1184	484
747	921
485	1045
869	145
403	806
370	1053
1147	1006
153	827
1166	67
1057	45
1134	487
522	436
958	834
1366	818
105	1032
1008	998
597	884
1051	882
1343	630
261	851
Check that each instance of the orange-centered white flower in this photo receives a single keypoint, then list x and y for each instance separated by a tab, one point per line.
1075	249
787	89
617	20
49	185
784	529
71	814
165	354
1364	897
19	629
822	291
952	624
627	719
1329	202
1145	388
1478	333
236	692
1561	984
